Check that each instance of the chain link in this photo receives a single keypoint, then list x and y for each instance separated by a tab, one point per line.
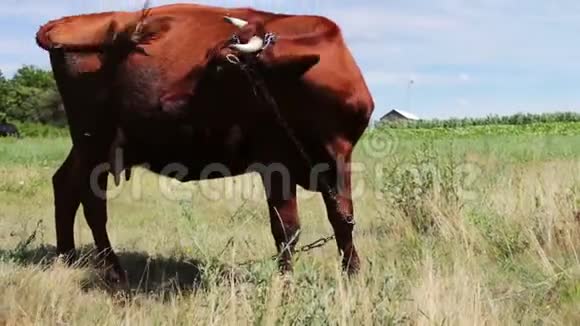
304	249
316	244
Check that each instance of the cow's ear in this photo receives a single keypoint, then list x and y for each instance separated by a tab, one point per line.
291	65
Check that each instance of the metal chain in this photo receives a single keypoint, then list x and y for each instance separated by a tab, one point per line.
261	90
304	249
269	40
316	244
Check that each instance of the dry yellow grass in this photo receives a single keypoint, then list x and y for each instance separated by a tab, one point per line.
501	249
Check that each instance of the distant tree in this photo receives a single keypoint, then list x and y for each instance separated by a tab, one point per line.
31	96
3	98
31	76
516	119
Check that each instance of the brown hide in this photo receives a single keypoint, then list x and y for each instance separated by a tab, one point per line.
155	89
175	48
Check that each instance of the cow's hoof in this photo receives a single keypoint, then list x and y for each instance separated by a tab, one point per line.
351	266
285	267
68	258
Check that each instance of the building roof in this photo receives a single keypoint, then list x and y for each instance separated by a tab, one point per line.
405	114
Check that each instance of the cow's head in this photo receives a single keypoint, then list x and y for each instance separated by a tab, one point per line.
275	59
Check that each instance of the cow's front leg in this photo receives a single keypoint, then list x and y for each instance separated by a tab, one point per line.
95	208
283	207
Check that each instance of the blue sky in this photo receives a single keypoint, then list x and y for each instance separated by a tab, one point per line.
467	58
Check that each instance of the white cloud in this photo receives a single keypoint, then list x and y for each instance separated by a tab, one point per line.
379	78
464	77
377	23
463	102
33	9
8	69
15	46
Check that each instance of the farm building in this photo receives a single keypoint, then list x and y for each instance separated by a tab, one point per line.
398	115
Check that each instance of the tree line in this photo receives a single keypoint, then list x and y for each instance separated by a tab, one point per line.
31	96
516	119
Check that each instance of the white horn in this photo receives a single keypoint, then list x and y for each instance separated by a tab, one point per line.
255	44
236	21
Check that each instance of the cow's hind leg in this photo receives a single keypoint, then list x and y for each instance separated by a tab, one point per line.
95	208
284	220
338	200
66	188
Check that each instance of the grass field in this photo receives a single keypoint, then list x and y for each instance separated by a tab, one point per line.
468	226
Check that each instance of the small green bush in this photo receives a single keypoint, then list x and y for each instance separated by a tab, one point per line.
29	129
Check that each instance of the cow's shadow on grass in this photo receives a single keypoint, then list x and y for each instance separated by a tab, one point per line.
160	274
147	275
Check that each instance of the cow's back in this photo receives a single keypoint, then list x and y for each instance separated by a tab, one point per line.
170	59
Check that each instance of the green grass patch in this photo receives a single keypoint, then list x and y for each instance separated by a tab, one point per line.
462	226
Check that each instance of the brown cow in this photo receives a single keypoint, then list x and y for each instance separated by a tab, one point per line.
154	88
